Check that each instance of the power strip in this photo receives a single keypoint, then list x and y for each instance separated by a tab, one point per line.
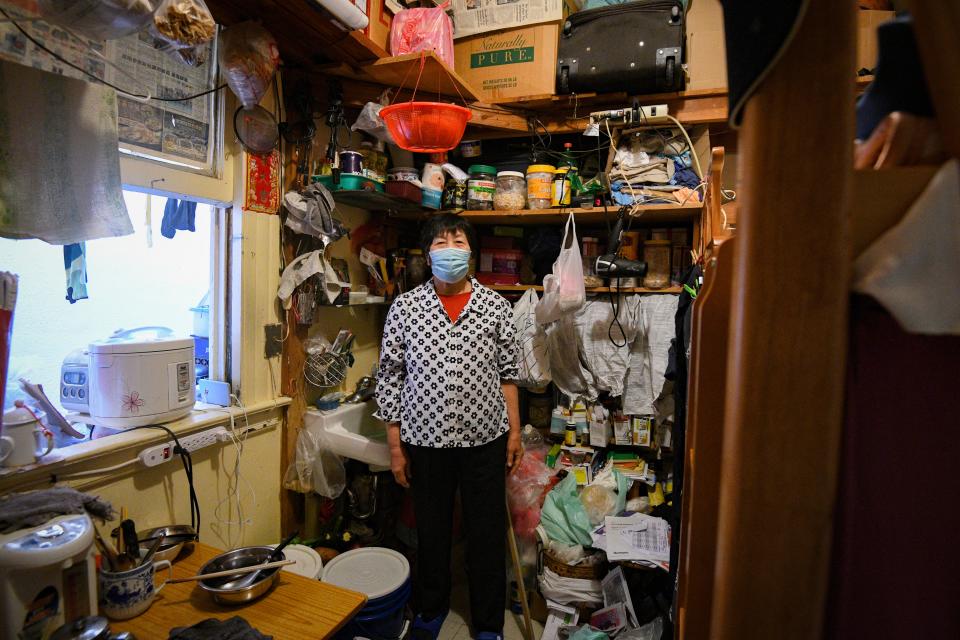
158	454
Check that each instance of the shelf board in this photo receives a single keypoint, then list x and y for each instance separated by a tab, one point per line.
654	213
507	288
436	78
378	201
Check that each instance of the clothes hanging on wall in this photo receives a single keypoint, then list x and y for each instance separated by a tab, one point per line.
61	181
649	354
178	215
75	266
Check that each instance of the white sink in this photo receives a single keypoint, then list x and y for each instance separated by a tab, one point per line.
352	432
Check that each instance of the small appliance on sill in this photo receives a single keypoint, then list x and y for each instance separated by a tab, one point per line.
47	576
135	377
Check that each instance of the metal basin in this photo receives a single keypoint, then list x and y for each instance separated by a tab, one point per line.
238	589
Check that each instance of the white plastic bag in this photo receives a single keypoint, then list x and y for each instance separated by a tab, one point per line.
563	290
531	342
315	468
370	122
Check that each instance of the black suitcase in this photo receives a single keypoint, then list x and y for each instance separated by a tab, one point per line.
637	47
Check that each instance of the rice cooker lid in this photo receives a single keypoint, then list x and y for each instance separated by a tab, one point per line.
89	628
139	342
375	571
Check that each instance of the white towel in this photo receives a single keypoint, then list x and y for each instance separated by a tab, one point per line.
59	158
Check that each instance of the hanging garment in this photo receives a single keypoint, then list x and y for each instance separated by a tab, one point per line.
61	178
567	369
178	215
534	360
605	344
75	266
913	268
301	268
649	353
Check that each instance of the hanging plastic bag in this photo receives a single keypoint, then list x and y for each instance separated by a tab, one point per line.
248	59
531	342
563	517
563	290
179	24
315	467
99	19
430	29
370	122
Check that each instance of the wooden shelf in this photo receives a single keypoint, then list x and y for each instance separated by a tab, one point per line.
378	201
506	288
437	77
306	34
654	213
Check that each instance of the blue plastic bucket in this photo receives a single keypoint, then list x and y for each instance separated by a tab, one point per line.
384	576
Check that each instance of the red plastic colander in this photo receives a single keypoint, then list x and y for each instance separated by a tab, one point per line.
426	127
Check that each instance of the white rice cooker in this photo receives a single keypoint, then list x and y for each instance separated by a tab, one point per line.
47	577
134	378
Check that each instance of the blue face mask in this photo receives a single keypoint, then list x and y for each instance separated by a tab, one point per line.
450	265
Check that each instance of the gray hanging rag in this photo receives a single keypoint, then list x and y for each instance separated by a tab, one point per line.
33	508
235	628
60	177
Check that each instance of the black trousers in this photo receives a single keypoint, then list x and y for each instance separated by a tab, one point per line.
480	474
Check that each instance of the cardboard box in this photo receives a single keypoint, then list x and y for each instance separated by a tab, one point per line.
380	17
510	64
472	17
867	22
706	47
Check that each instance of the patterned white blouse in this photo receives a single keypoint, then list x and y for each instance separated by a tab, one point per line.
441	379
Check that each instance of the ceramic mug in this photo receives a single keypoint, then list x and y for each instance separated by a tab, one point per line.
21	443
127	594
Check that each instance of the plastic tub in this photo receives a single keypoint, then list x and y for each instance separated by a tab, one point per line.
384	576
539	185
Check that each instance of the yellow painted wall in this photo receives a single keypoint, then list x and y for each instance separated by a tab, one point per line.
159	495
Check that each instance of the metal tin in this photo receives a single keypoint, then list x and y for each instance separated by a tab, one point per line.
351	162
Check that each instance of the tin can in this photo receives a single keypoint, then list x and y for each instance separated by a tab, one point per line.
351	162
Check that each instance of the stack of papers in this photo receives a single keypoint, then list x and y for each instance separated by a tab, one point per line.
636	538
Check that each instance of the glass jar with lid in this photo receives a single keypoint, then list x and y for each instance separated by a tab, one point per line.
656	253
539	185
481	186
511	191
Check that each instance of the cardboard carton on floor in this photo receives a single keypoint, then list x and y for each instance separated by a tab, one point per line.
510	64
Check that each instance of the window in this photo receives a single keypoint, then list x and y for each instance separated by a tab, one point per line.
129	285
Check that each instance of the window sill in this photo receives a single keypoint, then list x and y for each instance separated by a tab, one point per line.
131	443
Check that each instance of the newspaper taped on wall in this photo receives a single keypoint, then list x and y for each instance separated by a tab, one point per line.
184	133
471	17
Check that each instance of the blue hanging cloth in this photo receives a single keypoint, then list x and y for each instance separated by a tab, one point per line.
75	267
178	215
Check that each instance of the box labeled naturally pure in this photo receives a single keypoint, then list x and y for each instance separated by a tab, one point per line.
510	64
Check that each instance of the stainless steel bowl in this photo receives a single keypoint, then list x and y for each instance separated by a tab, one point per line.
234	589
176	538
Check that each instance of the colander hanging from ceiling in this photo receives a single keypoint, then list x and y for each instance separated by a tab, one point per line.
426	127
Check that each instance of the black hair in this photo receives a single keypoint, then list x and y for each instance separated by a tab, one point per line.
444	224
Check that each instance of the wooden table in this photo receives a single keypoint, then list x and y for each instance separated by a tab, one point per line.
295	607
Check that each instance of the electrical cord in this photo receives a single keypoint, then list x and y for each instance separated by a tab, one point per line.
187	463
75	67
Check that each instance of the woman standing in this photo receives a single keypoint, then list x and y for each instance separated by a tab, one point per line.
446	389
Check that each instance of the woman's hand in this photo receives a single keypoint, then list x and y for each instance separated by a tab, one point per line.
400	465
514	450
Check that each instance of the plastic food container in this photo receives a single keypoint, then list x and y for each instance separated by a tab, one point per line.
408	174
561	187
539	185
511	191
657	255
481	186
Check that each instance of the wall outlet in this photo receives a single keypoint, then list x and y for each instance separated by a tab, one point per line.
158	454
